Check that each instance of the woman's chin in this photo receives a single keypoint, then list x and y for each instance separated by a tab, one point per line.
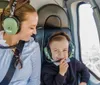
26	39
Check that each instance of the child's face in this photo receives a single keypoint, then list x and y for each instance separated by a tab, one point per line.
59	49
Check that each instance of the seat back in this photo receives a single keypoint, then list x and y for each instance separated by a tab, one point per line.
40	39
48	31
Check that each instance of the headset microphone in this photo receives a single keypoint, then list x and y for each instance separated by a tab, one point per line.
67	60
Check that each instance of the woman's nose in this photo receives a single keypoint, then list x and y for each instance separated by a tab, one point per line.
35	31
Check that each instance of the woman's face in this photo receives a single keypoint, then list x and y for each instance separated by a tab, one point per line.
28	27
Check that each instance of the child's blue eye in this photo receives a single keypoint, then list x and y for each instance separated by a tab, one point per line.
65	50
55	50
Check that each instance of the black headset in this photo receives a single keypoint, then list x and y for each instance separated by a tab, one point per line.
47	51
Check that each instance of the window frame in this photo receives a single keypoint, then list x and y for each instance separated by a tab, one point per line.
79	39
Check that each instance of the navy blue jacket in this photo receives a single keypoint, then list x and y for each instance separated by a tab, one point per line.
50	74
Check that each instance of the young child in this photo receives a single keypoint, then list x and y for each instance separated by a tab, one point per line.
60	69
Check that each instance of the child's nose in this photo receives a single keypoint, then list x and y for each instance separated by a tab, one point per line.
61	54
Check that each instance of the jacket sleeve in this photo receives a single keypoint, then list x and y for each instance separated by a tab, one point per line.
49	79
83	71
36	66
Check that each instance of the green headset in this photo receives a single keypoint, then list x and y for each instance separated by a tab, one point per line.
47	51
11	23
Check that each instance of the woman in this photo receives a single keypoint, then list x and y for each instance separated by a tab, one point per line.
29	73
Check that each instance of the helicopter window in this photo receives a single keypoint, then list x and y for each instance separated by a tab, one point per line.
89	39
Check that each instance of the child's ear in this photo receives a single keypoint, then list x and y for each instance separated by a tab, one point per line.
47	53
71	50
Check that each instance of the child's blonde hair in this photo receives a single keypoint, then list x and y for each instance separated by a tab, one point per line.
58	36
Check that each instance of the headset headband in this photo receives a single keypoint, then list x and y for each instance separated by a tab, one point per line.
19	4
59	33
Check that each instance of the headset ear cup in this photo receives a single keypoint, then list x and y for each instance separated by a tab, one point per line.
47	54
11	25
71	50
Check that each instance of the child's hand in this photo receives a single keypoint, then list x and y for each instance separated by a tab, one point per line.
63	67
83	83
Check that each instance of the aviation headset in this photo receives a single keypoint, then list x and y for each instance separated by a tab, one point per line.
11	24
47	51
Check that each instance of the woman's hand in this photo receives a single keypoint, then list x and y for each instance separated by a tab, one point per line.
63	67
83	83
